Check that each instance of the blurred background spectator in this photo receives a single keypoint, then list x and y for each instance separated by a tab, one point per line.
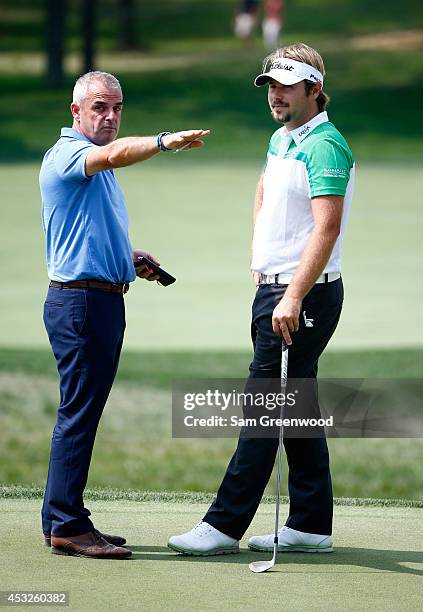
246	20
272	23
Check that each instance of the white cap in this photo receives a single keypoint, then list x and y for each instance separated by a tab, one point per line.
289	72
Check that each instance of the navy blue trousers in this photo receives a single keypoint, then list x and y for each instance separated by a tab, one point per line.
85	328
309	481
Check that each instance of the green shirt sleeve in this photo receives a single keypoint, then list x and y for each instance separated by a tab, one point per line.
328	168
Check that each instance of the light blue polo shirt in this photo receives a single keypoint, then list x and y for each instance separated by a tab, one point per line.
85	219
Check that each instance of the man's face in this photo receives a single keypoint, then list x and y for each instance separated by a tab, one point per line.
98	117
290	104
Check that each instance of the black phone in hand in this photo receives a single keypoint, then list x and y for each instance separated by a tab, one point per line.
164	279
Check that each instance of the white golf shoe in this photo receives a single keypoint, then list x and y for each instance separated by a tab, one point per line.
291	540
203	540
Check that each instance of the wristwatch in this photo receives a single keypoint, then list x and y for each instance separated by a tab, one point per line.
160	144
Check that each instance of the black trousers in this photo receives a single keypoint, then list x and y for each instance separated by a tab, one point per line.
309	481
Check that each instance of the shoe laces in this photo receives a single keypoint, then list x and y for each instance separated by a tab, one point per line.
202	529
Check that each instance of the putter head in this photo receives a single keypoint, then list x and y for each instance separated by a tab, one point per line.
261	566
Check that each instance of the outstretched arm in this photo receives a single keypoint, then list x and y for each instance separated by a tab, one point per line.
133	149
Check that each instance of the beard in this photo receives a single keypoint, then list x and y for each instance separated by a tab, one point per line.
283	116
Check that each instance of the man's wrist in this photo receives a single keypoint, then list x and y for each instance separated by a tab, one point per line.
293	294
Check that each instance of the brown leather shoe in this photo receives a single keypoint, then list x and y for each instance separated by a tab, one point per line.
111	539
90	545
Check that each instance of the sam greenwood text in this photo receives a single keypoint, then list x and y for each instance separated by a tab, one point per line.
263	421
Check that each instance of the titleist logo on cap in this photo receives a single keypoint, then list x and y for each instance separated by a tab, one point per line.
290	67
281	66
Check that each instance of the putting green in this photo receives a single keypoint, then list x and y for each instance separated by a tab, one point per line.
377	565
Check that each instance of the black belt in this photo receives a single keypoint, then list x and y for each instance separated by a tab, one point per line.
92	284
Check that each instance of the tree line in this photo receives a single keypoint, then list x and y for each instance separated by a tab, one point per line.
56	15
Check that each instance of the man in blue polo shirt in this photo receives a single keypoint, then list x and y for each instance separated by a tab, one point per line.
90	264
300	215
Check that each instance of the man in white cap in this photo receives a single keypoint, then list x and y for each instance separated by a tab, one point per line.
300	214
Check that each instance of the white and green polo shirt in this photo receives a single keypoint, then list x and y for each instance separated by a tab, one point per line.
310	161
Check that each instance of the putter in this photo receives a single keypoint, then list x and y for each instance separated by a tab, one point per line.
263	566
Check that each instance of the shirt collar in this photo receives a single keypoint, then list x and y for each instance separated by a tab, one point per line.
71	133
303	131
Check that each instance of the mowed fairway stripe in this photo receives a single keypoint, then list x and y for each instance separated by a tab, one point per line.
377	565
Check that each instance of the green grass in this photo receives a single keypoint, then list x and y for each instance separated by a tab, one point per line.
159	368
193	211
191	497
159	22
200	326
199	34
196	218
135	448
376	564
223	99
139	413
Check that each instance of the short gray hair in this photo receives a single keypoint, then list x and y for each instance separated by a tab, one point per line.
82	84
